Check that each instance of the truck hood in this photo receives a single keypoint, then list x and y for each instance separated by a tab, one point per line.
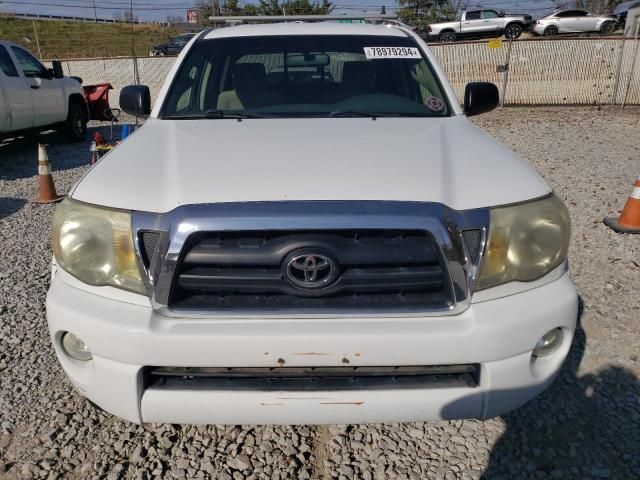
168	163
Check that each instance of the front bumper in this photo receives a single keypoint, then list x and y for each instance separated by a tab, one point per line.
538	28
497	334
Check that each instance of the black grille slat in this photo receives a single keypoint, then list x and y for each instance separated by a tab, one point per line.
352	251
313	378
473	242
149	243
264	303
353	279
244	271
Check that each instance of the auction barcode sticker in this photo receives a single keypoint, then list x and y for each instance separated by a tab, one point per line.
391	52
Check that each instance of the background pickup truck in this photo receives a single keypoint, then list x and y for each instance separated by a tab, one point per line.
480	23
33	97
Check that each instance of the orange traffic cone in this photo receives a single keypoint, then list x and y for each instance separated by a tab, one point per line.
46	189
629	221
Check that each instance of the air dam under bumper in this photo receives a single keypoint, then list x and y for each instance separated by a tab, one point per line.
498	335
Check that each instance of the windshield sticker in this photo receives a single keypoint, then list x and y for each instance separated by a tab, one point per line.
434	103
373	53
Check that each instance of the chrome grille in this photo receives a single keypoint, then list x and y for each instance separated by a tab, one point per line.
389	269
180	228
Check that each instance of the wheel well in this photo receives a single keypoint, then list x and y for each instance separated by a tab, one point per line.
448	30
77	99
520	24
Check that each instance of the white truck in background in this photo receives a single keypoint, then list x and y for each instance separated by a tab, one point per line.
487	22
34	97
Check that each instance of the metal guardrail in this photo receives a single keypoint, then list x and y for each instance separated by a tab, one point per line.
300	18
73	18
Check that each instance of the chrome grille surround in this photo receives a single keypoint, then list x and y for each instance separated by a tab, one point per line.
174	227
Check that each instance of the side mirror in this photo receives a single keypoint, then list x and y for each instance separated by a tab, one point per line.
501	13
57	69
480	97
136	100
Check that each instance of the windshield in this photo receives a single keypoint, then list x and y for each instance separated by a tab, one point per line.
182	38
305	75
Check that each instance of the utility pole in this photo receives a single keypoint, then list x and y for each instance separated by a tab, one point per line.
95	14
136	74
35	33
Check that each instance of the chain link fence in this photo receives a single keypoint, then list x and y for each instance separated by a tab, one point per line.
584	71
548	72
553	72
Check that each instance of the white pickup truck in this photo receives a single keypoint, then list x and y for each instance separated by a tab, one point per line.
33	97
480	23
308	229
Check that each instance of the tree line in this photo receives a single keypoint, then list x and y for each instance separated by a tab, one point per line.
263	7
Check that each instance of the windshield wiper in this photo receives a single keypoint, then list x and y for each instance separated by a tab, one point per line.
214	114
374	115
222	114
354	113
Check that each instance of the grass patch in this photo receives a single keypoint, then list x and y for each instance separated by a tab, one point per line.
51	39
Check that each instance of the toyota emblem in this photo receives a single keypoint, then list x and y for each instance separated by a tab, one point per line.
310	270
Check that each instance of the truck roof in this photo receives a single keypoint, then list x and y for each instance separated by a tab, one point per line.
317	28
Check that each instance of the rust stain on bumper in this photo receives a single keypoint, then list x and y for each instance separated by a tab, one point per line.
310	353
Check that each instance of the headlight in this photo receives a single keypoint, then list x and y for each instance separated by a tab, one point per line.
526	241
95	245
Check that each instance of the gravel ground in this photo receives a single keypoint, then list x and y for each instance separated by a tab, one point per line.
587	425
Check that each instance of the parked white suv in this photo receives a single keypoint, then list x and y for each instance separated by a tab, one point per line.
308	229
33	97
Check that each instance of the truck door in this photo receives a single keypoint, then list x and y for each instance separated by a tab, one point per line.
46	91
491	21
471	23
18	106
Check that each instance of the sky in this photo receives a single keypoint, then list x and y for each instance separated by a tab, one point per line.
158	10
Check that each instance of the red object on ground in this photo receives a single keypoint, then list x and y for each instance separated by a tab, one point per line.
98	138
98	100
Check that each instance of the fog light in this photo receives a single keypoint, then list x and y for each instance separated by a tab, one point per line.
75	347
549	343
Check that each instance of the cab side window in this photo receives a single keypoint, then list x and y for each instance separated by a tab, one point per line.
473	15
6	64
30	66
489	14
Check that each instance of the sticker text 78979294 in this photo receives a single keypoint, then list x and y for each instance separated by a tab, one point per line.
373	53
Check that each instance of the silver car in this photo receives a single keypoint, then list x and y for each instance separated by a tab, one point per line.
574	21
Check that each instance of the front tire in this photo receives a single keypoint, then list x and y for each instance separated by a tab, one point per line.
551	31
607	28
448	37
75	126
513	31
